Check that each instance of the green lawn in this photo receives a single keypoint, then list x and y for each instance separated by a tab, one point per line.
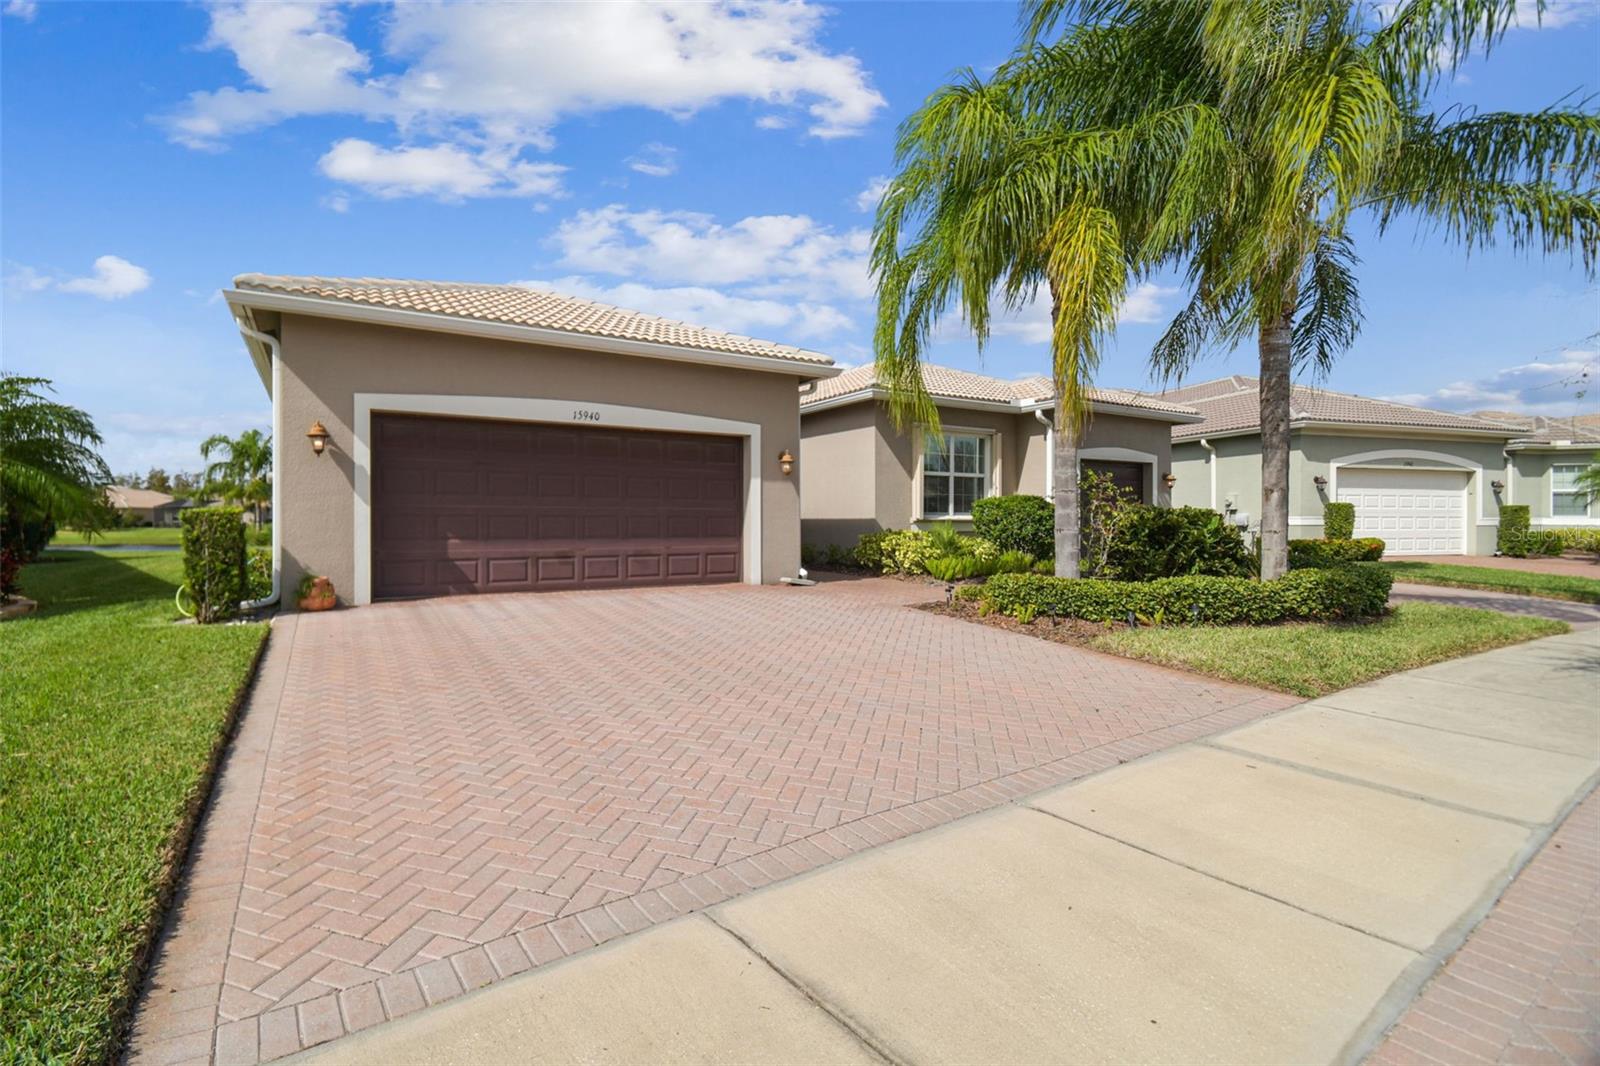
1315	658
1550	586
140	535
111	716
143	536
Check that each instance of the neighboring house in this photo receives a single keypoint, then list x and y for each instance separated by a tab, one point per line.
485	438
143	507
859	474
1543	462
1427	482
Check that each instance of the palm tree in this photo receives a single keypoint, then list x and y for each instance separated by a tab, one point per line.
50	468
1256	130
242	473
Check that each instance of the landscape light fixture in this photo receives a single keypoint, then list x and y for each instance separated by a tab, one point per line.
319	437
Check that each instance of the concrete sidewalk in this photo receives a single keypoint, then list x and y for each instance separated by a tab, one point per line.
1277	893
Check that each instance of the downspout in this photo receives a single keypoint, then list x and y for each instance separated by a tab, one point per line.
274	353
1511	496
1049	453
1212	463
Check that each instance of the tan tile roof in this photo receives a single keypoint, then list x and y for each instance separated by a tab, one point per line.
948	383
518	306
1544	429
123	496
1231	405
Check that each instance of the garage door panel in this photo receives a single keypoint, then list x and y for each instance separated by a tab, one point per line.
1415	511
532	506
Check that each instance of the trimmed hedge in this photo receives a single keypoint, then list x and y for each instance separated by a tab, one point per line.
1338	521
1155	542
1515	521
1573	540
214	560
1337	593
1320	554
895	551
258	574
1017	523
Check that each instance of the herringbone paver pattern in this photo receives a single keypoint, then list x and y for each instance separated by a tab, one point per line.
428	797
1525	987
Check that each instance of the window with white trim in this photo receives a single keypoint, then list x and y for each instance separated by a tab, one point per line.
1566	498
955	472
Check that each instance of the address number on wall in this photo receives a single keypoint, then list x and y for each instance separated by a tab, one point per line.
580	414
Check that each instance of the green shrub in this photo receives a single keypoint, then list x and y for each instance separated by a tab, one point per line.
894	551
1515	522
969	592
1574	540
1017	523
258	574
1338	521
213	560
1319	554
1155	542
944	540
1014	562
1046	567
981	548
1342	592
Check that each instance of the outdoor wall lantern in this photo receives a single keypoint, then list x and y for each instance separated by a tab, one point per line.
786	462
1497	485
319	437
1169	479
1320	482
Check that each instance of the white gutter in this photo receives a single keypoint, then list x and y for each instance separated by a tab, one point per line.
274	356
1211	462
1049	452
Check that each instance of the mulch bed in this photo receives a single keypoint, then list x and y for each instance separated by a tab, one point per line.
1074	631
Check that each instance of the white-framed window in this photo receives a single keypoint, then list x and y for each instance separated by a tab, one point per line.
955	472
1566	499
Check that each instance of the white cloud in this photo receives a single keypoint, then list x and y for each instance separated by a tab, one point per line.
772	122
869	198
137	441
445	171
113	278
1557	14
791	254
655	159
1544	386
1146	303
22	9
491	80
704	306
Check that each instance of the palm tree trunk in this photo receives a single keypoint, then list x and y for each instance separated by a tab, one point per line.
1065	487
1275	407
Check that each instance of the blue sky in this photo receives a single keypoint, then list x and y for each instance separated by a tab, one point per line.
710	163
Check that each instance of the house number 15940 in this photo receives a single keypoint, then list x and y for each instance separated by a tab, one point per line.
579	414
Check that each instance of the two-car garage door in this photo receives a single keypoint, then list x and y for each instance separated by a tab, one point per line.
467	505
1415	512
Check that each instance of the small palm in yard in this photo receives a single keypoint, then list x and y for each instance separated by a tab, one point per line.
241	473
1234	139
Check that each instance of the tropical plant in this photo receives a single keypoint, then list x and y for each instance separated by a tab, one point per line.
1236	139
1588	480
50	470
242	472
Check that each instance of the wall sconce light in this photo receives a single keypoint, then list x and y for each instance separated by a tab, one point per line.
786	462
319	437
1497	485
1169	479
1320	482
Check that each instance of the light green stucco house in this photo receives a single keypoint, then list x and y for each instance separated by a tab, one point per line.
1427	482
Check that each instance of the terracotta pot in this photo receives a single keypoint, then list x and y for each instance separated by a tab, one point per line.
321	597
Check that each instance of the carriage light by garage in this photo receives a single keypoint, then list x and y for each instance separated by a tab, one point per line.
319	437
1320	482
786	462
1169	479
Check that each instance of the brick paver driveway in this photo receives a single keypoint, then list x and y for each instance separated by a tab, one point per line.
426	797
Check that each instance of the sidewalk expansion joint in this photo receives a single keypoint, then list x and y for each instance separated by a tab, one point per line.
1402	945
839	1017
1320	706
1334	775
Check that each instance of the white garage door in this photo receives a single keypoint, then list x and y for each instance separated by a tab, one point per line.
1416	512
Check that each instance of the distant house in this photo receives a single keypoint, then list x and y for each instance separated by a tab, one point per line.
144	507
1427	482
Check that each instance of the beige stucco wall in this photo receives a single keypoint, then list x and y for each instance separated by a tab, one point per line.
1313	454
857	481
327	361
1531	484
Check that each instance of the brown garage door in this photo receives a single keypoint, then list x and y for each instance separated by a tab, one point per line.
469	505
